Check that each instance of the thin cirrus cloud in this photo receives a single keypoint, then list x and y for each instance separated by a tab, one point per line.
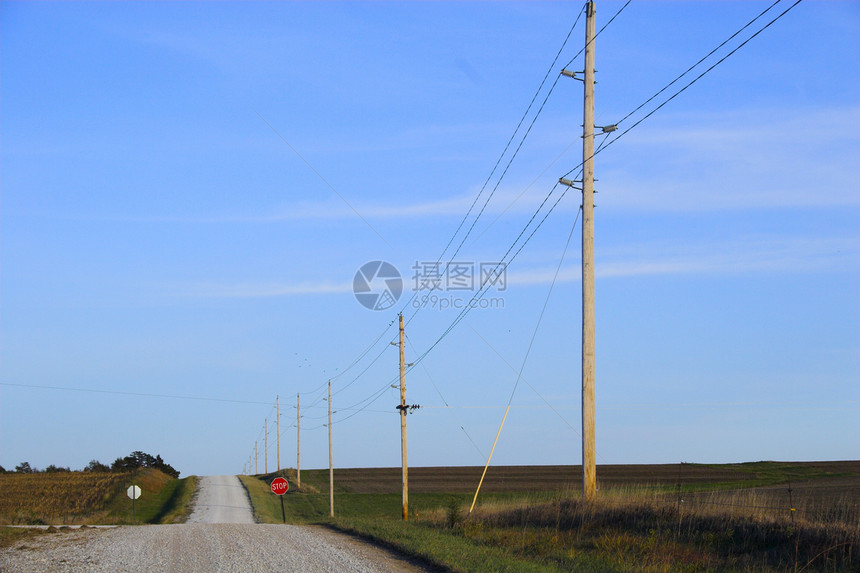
731	160
738	160
766	255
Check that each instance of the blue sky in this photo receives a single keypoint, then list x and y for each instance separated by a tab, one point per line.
188	190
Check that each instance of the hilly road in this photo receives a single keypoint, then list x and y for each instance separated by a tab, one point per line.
220	536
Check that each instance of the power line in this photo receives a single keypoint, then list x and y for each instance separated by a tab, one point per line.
708	55
499	160
697	78
444	401
483	287
505	260
486	202
579	53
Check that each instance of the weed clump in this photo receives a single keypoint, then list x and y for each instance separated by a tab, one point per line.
454	517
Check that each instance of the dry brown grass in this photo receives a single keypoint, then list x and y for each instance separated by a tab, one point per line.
648	530
41	497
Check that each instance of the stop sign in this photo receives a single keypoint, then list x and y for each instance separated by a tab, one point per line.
280	486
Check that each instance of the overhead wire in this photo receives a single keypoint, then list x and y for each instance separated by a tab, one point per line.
525	358
444	401
504	260
499	160
604	144
481	292
705	57
697	78
465	218
534	334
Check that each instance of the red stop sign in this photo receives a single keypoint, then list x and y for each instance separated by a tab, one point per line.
280	486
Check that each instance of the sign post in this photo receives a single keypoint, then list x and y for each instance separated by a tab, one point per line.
133	493
280	486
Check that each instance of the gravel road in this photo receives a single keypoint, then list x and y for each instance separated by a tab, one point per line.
222	538
221	499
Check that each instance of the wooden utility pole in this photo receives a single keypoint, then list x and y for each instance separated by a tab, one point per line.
266	445
330	459
298	440
405	472
589	469
256	469
278	429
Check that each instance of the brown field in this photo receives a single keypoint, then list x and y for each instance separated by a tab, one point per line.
819	490
25	498
74	497
842	477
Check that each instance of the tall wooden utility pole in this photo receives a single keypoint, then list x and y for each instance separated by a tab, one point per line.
266	445
589	469
330	459
256	469
278	428
405	472
298	440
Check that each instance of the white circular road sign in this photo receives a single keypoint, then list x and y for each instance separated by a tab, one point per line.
133	492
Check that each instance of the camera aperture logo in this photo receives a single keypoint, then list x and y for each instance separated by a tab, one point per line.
377	285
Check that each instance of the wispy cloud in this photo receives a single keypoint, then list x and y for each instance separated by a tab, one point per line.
737	160
766	255
262	289
794	255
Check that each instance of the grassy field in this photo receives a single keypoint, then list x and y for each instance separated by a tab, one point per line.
64	498
688	517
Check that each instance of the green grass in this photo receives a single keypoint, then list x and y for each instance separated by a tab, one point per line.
177	506
163	500
448	549
369	516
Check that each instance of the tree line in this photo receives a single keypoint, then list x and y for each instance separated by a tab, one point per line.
134	461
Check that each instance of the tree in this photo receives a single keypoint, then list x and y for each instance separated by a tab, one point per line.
54	469
24	468
137	460
96	466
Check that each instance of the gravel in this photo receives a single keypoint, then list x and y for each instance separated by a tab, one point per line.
221	499
222	538
197	547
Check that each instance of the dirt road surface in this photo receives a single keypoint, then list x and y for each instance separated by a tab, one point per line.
219	537
221	499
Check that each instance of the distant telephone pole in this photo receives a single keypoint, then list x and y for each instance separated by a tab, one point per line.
298	440
266	445
405	471
278	428
330	459
256	469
